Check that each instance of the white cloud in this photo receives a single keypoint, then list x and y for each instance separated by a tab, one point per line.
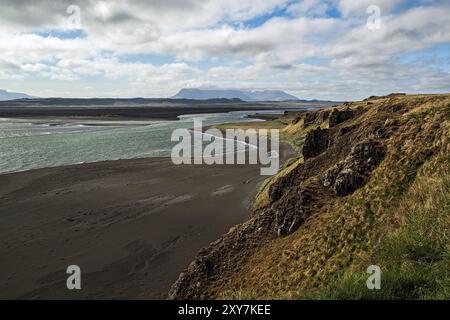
306	52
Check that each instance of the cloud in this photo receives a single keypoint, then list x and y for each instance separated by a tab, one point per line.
293	45
359	8
311	7
169	15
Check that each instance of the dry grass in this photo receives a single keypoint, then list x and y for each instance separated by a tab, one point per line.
398	220
401	209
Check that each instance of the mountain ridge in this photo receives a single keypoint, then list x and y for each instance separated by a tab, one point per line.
8	95
245	95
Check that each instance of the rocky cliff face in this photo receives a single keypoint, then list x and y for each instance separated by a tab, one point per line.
357	158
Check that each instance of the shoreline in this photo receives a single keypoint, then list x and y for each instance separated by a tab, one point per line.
129	113
131	225
204	129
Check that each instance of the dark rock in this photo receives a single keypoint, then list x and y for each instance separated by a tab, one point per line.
309	119
366	151
345	130
297	119
396	108
396	94
290	216
337	117
316	142
278	187
282	185
347	181
315	117
329	177
323	116
351	174
379	133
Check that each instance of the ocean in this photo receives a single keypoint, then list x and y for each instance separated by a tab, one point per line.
32	144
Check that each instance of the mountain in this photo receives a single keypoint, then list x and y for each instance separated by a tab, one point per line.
270	95
6	95
113	101
369	192
245	95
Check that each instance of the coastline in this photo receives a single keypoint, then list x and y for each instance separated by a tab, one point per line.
131	225
132	113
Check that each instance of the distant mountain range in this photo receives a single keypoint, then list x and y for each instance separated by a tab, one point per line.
6	95
187	96
244	95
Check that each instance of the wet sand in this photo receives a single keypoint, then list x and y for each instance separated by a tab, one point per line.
132	226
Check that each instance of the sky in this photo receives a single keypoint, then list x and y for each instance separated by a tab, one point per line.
330	49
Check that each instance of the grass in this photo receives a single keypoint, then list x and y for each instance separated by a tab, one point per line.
262	198
281	122
415	258
399	220
423	113
295	134
257	125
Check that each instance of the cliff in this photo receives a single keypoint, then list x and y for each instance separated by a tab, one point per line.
372	188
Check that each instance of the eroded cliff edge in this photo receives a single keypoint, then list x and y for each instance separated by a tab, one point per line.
372	188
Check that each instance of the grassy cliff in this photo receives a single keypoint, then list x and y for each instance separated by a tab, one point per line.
372	188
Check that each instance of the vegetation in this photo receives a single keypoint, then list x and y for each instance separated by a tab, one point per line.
399	220
271	122
415	257
262	198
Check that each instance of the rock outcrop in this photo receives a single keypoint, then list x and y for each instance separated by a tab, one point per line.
292	223
351	174
337	117
316	142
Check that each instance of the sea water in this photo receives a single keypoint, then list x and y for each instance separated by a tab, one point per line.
32	144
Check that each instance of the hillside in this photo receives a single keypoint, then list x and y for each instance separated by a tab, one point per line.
372	187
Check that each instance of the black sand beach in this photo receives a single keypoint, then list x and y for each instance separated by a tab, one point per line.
132	226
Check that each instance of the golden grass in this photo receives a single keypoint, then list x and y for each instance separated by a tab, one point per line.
353	232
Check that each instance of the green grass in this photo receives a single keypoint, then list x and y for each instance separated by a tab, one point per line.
410	282
430	112
415	258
